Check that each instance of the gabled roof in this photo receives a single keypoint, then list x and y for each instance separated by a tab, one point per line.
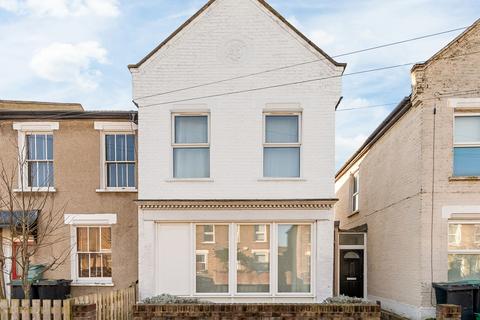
383	128
207	5
475	25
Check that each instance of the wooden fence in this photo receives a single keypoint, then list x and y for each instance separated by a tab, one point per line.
114	305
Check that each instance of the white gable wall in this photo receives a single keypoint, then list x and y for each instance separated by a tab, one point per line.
231	38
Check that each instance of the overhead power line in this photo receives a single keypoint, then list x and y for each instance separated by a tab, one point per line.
303	63
299	82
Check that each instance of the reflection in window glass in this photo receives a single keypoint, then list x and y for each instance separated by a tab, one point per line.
253	259
351	239
463	267
294	258
212	258
463	236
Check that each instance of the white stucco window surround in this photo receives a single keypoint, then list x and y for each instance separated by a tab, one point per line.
461	212
118	130
40	129
99	226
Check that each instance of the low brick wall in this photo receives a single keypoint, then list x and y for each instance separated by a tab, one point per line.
449	312
256	311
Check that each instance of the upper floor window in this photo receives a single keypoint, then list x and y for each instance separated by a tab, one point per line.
120	160
191	146
355	192
40	160
281	148
466	149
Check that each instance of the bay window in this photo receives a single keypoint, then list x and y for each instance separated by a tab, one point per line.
191	146
270	258
281	151
463	251
466	151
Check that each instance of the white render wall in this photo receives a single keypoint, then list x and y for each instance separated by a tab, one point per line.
231	38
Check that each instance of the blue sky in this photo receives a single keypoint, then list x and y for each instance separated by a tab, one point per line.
78	50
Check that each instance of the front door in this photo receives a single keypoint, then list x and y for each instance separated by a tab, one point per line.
351	273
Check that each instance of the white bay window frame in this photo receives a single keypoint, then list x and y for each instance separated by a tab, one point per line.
176	145
114	128
31	128
462	251
297	144
273	260
87	220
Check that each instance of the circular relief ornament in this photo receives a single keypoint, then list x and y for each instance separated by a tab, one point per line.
234	51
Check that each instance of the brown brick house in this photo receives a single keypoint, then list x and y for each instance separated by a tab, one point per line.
86	162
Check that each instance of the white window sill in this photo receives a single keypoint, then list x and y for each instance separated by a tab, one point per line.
113	190
36	189
191	180
282	179
92	284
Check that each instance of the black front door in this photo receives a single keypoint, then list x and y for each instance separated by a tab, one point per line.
351	273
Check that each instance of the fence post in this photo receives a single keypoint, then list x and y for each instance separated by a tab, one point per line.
84	311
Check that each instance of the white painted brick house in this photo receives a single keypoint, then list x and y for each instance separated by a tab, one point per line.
236	187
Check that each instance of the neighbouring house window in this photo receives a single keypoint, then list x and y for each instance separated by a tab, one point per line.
208	233
213	279
294	257
260	232
191	147
466	149
94	252
355	192
120	160
40	160
281	152
202	261
463	251
253	260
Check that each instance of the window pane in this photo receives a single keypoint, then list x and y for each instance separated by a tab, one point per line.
120	147
110	147
121	175
130	147
463	267
467	129
463	236
466	162
253	261
83	265
42	174
49	147
107	265
82	239
191	163
191	129
215	278
281	129
208	233
106	238
111	175
131	175
50	174
32	174
40	143
94	239
31	147
281	162
95	265
351	239
294	258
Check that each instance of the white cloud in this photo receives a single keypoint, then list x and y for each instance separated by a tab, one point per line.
71	63
321	37
62	8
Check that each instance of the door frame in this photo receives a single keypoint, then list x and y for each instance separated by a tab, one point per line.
352	247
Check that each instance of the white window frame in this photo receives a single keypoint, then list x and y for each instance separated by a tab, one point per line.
190	145
30	128
273	260
463	251
115	128
283	145
88	220
203	253
264	233
471	144
452	234
355	194
212	233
